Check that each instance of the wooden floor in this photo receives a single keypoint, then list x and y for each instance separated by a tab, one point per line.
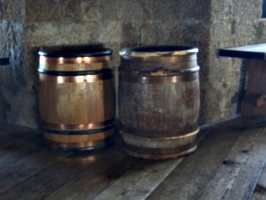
228	164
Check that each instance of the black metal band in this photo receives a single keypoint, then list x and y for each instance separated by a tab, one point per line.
74	51
75	73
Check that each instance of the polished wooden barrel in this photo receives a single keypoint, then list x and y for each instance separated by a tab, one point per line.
159	101
76	97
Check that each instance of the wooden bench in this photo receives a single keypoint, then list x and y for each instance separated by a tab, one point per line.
254	102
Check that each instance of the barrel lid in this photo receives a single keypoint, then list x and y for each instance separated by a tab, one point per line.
74	51
157	51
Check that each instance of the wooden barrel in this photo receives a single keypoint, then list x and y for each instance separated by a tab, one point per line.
159	101
76	97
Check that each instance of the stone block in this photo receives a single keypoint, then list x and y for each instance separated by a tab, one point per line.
116	10
12	43
12	10
245	32
260	28
174	33
84	11
222	86
221	10
221	32
167	10
236	10
248	9
56	10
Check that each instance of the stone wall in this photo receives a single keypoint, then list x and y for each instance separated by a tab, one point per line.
17	100
233	23
206	24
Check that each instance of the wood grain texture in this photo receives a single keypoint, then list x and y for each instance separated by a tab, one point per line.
53	66
158	107
188	180
227	165
72	103
76	103
28	166
140	181
23	156
19	145
256	81
260	190
159	110
8	138
91	182
42	184
237	177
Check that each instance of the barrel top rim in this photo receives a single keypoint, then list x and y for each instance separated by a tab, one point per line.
158	51
74	51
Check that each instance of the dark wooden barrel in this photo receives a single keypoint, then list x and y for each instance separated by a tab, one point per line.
76	97
159	101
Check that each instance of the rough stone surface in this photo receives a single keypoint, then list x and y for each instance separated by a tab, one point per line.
260	31
233	23
12	10
235	9
116	10
18	94
26	25
17	97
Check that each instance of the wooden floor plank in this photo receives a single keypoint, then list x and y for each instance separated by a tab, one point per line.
140	181
28	166
190	177
5	140
52	178
260	190
91	182
146	173
24	156
262	181
81	188
10	134
22	145
10	138
237	177
4	127
228	162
